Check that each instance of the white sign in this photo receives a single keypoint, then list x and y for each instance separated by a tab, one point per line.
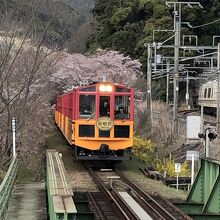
192	155
193	125
177	167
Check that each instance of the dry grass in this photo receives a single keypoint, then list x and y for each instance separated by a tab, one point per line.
162	118
152	186
131	170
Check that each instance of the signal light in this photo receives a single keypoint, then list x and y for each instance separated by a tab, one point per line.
211	134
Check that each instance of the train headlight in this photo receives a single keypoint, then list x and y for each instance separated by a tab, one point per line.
105	88
108	88
102	88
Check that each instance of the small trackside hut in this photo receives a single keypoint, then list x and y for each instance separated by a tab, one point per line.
98	120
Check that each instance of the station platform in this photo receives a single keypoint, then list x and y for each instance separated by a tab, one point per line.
28	201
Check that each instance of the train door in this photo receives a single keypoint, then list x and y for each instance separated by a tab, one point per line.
104	106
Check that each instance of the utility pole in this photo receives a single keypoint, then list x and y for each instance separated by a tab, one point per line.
149	98
177	27
187	89
218	92
167	87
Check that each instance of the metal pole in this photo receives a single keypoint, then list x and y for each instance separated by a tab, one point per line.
202	120
13	137
149	98
177	182
207	143
192	170
177	21
155	58
218	92
167	92
187	89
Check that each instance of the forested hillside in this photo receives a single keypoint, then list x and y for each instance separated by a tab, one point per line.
127	25
65	18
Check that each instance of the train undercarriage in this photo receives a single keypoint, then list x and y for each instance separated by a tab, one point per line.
103	154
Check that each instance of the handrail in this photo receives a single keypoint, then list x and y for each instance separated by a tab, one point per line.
6	187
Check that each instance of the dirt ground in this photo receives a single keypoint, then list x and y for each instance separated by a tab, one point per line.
80	180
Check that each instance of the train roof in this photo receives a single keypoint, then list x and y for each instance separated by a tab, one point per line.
94	85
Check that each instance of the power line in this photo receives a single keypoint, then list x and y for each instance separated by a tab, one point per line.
212	22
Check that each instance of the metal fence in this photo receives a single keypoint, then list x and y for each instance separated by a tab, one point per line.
6	187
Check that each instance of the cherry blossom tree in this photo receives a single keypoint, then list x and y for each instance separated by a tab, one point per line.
25	88
73	69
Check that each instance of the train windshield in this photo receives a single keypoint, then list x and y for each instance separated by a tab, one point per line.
87	106
104	106
122	107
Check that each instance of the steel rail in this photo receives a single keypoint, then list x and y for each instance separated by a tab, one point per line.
150	200
100	213
124	210
154	213
173	207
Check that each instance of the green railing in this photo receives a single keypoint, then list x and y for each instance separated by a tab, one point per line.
203	201
6	187
59	193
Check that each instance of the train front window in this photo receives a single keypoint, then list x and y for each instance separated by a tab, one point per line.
122	107
88	89
87	106
104	106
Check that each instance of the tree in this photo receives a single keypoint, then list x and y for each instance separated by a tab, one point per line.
76	68
25	89
126	26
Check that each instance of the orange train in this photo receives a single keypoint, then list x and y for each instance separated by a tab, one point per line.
98	120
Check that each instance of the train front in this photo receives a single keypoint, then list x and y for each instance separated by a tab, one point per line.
104	122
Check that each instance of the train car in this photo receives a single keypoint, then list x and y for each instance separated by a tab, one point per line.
208	96
98	120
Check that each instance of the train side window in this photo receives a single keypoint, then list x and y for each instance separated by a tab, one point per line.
122	107
87	106
205	93
209	93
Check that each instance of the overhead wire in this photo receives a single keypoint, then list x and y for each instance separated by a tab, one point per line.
203	25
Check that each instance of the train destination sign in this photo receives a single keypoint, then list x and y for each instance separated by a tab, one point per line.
104	123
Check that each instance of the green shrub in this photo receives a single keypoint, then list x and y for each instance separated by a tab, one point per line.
143	149
168	165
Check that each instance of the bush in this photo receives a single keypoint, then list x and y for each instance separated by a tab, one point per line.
143	149
168	165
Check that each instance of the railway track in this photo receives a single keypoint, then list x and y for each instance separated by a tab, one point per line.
166	209
127	200
102	208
